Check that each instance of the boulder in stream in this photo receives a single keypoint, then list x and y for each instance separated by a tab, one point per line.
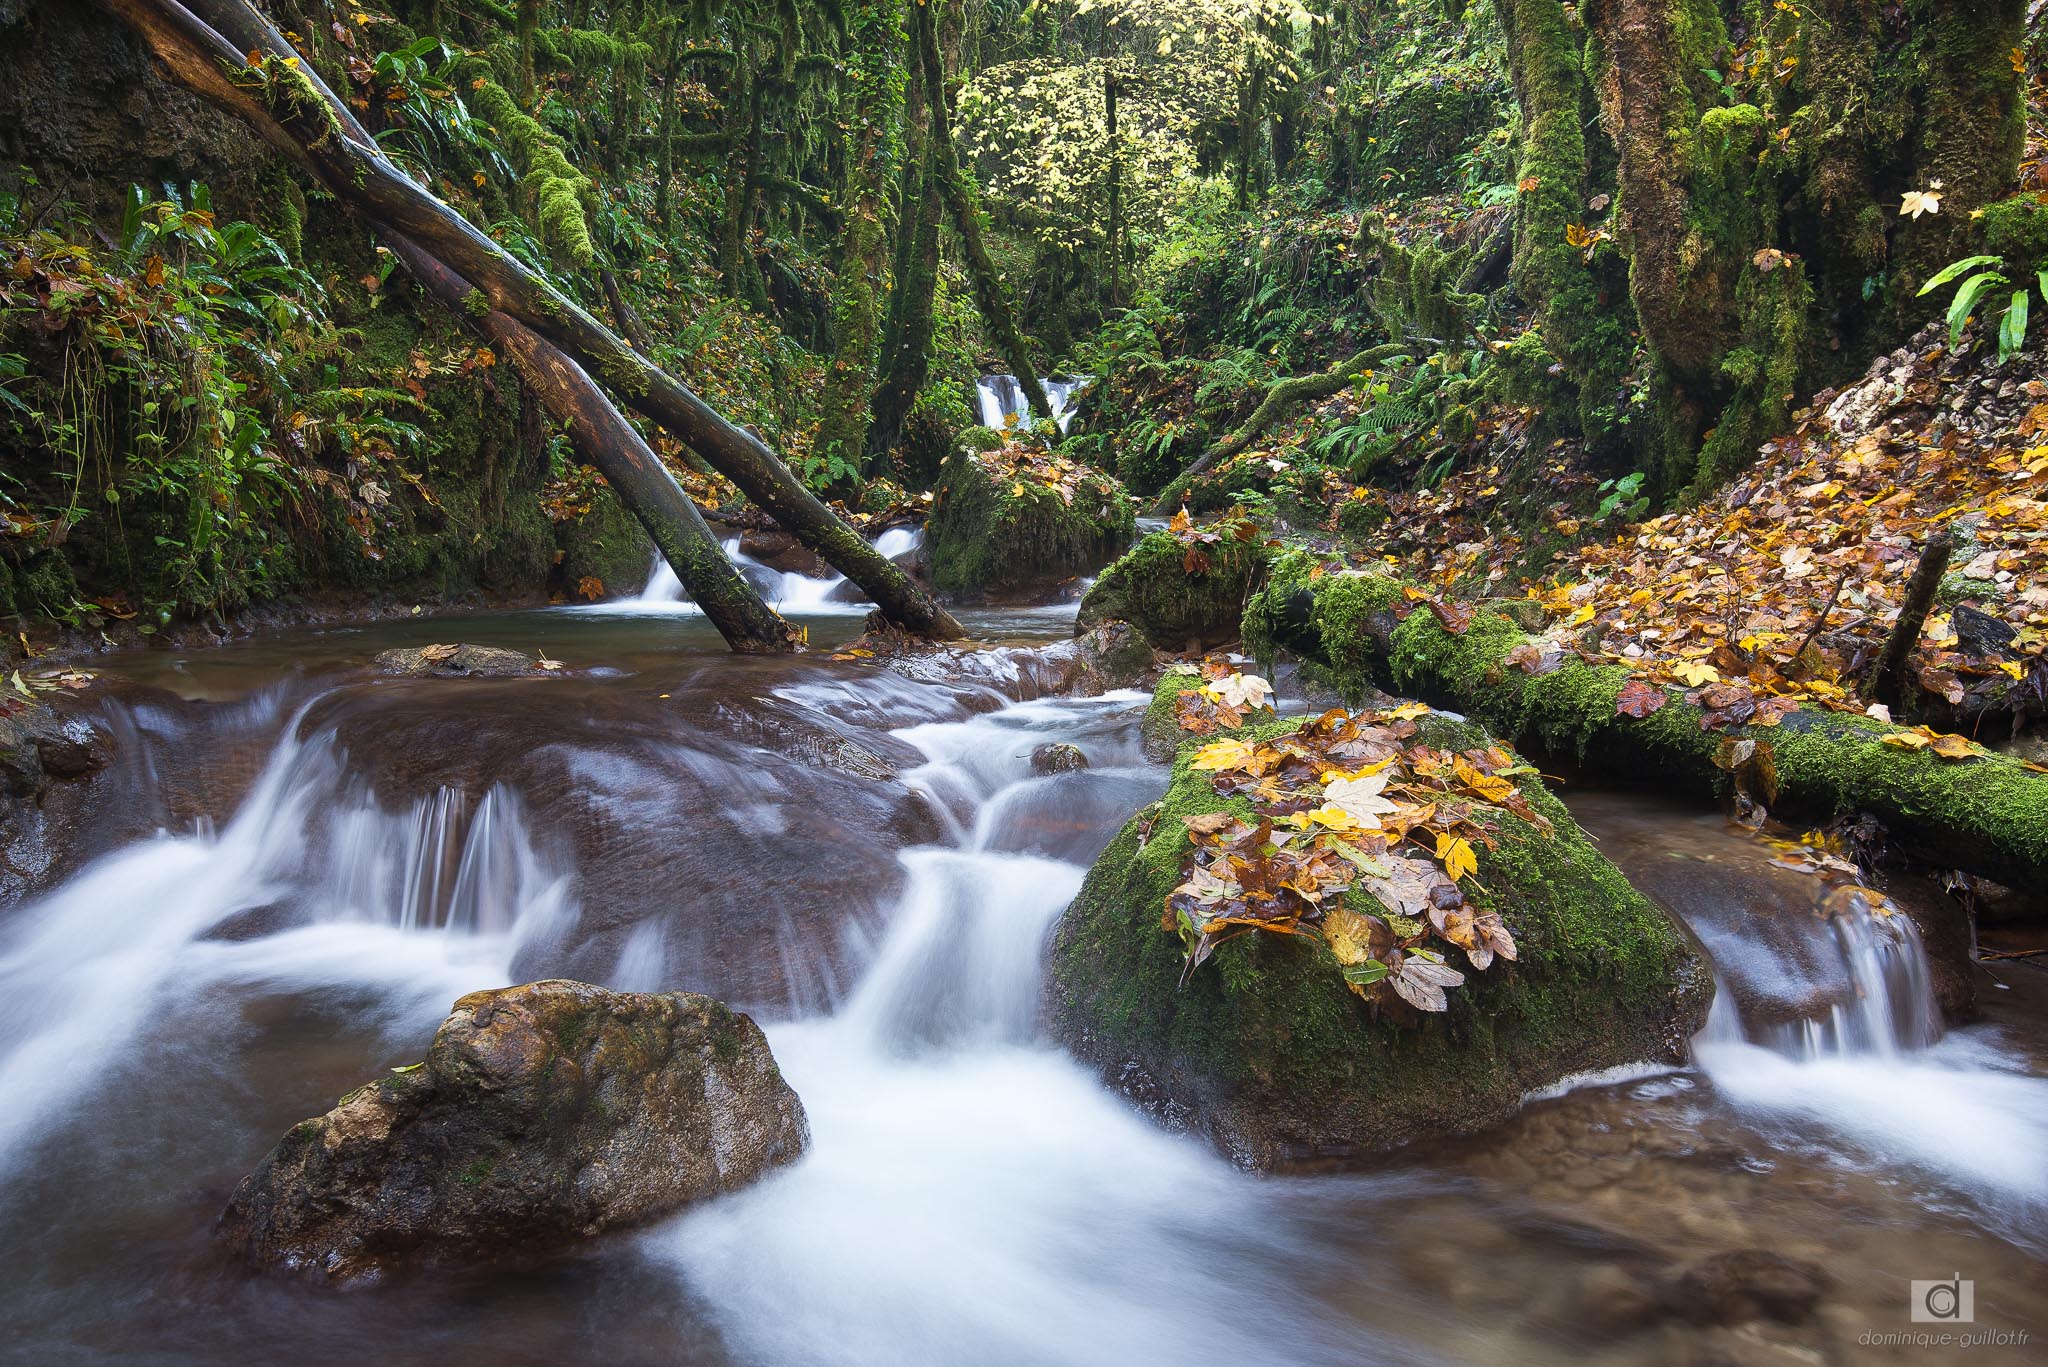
1017	520
456	662
1267	1052
1180	594
542	1115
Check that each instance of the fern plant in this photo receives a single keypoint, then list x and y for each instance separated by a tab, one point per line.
1989	277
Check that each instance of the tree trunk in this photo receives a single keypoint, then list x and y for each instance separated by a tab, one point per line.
877	31
907	336
300	116
1115	235
1987	815
1883	685
607	441
962	199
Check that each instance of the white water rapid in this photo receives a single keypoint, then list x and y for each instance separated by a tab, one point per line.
786	591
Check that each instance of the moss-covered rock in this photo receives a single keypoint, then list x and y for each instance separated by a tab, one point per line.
1152	588
1018	520
542	1115
1268	1053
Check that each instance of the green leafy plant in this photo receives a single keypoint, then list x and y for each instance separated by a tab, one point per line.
1623	496
1988	278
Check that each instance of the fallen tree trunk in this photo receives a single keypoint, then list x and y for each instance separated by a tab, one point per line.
1281	396
608	442
603	437
289	105
1987	814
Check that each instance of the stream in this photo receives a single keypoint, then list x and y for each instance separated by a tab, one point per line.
294	866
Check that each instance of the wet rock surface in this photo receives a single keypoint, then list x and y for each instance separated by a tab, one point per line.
1057	758
456	662
542	1115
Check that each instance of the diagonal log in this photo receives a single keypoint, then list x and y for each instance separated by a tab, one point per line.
606	440
289	106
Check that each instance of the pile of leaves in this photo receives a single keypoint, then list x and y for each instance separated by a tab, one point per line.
1349	800
1786	585
1025	467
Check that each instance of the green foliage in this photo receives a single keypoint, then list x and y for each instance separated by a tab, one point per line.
1981	287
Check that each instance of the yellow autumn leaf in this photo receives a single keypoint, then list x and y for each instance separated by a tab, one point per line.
1907	740
1221	755
1693	673
1455	853
1582	616
1328	815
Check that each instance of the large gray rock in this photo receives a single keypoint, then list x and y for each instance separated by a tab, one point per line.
543	1114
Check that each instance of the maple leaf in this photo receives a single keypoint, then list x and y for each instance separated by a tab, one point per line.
1222	756
1456	854
1914	203
1693	673
1639	699
1361	798
1241	690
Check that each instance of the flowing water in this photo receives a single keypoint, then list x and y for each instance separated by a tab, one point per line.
1001	400
293	866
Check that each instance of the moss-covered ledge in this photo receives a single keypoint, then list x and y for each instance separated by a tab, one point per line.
1152	588
1988	815
1268	1053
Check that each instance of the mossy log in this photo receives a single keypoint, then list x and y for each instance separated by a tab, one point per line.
291	107
1267	1053
1987	815
1151	587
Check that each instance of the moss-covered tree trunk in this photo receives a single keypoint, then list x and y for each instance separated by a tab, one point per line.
964	203
876	72
907	336
1583	330
1972	129
291	107
1988	815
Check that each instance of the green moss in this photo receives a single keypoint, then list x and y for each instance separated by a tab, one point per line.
1988	814
2017	229
1278	1060
990	535
1151	588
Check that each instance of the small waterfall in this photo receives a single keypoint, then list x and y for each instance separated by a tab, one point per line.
1869	1062
784	590
313	884
1881	1000
1002	402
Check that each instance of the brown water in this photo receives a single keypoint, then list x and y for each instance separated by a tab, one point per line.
865	860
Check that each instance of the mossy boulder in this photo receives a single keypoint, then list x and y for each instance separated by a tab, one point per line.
1018	520
542	1115
1152	588
1265	1050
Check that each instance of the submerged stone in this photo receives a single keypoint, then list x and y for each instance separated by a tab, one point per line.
1057	757
543	1114
456	662
1267	1052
